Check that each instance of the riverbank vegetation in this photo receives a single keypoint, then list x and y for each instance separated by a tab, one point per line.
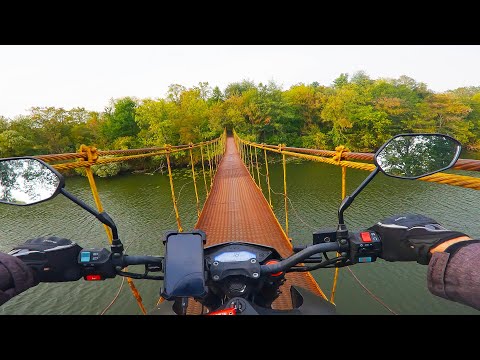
356	111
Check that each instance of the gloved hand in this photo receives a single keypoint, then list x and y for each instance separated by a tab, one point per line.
410	237
51	258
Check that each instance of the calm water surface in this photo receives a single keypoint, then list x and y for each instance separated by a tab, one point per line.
141	206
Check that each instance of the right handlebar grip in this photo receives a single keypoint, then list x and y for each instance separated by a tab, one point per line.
298	248
142	260
299	257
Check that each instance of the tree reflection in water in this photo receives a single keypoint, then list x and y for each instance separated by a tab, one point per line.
26	181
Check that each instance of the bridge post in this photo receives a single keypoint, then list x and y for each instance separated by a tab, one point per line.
251	164
172	188
338	157
215	156
285	197
193	176
203	168
268	178
210	165
258	171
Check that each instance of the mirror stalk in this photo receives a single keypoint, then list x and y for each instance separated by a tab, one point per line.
103	217
342	232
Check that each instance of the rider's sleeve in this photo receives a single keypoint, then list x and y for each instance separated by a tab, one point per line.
15	277
455	274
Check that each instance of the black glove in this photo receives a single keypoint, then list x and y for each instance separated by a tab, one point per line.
410	237
51	258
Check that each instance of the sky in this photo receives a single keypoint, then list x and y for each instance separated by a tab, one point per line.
90	75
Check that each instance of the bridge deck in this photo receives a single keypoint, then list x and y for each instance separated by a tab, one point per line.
236	210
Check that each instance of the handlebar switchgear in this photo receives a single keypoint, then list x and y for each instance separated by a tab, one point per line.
365	247
96	264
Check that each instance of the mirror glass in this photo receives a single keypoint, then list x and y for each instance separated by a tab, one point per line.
412	156
26	181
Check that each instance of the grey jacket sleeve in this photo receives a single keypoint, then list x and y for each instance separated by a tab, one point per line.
15	277
456	276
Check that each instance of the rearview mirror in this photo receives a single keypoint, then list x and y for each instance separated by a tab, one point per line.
411	156
27	181
406	156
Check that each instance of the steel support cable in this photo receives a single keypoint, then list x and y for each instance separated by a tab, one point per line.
461	164
376	298
194	182
252	173
203	170
284	162
268	179
258	172
172	188
338	157
443	178
210	165
78	155
134	155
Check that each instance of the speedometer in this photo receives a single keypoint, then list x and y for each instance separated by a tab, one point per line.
234	256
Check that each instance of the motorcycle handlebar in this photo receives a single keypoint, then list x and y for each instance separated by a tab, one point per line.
299	257
142	260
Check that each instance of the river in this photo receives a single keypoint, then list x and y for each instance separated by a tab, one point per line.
142	208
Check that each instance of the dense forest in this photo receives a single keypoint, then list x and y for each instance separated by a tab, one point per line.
356	110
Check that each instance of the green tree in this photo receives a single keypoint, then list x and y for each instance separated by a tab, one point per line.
445	113
356	111
119	119
12	143
340	81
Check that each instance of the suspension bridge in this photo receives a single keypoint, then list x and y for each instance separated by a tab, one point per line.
236	208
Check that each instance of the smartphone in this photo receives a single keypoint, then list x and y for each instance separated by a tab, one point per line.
184	265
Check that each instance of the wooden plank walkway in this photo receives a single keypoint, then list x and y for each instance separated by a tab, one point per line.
236	210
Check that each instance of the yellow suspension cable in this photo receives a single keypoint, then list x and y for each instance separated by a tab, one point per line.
212	149
174	200
245	160
344	194
216	157
92	156
204	176
268	180
258	171
251	166
281	146
210	165
194	181
244	153
213	159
